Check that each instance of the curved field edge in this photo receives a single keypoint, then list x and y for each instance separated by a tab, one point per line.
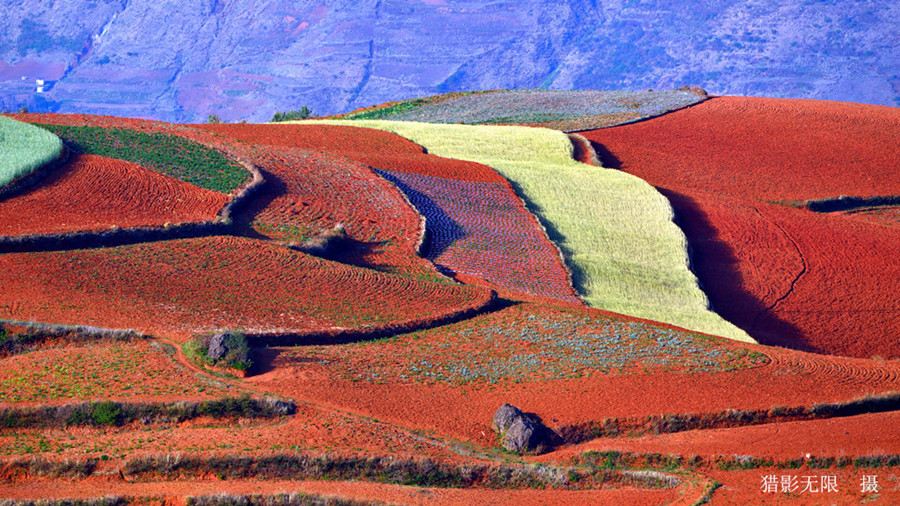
176	156
558	109
207	284
24	148
295	181
221	224
615	230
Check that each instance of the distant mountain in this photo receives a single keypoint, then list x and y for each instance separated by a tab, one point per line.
180	60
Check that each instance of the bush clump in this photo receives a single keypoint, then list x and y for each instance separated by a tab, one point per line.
110	413
325	244
222	349
303	113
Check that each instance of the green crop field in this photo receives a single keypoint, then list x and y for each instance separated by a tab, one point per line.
24	148
614	229
171	155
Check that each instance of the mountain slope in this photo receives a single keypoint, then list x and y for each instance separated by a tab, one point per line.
245	60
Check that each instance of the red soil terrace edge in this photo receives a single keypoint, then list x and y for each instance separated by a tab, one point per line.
390	152
290	207
789	277
93	193
763	148
205	284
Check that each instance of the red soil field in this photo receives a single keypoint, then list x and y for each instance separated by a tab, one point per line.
823	283
889	216
310	431
381	150
94	193
130	372
519	249
790	277
307	193
177	288
361	491
463	409
856	436
763	148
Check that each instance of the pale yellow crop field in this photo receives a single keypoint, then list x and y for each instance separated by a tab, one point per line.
24	148
614	229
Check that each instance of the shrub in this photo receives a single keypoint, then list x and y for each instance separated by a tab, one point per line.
303	113
213	119
325	243
222	349
106	413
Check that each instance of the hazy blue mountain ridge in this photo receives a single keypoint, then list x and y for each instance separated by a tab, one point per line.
241	59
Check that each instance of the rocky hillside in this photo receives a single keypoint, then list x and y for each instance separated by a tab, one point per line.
180	60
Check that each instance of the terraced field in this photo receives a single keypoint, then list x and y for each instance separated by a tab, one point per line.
790	277
24	148
614	230
93	193
200	285
104	370
569	366
304	196
168	154
398	369
476	225
561	110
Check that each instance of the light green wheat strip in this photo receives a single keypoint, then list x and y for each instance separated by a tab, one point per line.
24	148
615	229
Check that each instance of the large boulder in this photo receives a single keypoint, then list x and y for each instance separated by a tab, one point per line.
217	347
505	417
522	433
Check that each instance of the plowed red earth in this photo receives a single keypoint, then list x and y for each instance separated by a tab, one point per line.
463	410
130	372
94	193
310	193
764	148
819	282
359	491
176	288
889	216
477	225
381	150
824	283
856	436
307	193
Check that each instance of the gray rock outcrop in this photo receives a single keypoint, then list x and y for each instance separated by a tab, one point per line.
522	433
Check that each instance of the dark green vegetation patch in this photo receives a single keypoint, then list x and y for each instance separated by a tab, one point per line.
167	154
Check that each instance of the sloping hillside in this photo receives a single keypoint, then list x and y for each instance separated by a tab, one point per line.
245	59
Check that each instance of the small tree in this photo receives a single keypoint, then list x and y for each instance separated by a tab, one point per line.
303	113
213	119
23	109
